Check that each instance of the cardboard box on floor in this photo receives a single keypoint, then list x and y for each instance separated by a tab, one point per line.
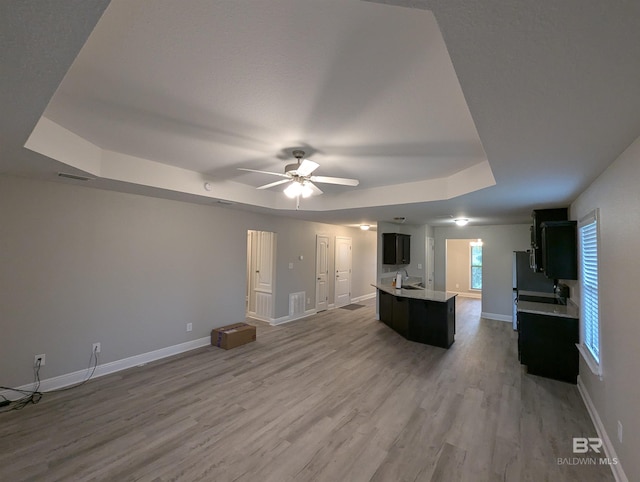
231	336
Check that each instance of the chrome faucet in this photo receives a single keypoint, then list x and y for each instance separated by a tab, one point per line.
406	273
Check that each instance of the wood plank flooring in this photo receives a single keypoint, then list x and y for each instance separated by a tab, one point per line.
334	397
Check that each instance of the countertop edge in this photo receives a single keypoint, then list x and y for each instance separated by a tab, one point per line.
424	295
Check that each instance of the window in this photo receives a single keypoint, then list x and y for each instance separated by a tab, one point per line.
476	265
589	305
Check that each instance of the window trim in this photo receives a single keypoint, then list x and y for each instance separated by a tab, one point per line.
594	365
471	266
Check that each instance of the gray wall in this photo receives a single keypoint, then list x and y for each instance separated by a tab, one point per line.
497	258
83	265
298	238
418	234
617	395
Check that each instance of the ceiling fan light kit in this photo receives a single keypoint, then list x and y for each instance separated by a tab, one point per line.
296	189
300	178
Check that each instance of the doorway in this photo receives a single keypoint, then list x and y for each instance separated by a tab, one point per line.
261	249
464	267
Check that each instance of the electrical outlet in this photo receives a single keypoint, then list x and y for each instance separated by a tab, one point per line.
619	432
189	326
308	300
96	348
41	358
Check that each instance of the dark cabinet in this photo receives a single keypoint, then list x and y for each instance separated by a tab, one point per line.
385	308
396	248
423	321
394	312
548	345
540	216
560	249
432	322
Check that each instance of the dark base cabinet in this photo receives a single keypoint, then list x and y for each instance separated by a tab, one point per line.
423	321
548	346
432	322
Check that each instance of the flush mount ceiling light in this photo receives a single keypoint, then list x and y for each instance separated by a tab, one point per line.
365	227
461	221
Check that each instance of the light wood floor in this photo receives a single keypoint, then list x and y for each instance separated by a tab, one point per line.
335	397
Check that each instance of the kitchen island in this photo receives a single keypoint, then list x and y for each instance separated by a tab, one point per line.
419	315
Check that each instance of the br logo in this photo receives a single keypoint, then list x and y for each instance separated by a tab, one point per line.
581	445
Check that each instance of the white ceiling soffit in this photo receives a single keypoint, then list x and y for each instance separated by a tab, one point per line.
171	95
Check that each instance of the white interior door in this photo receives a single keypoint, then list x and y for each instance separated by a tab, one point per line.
429	262
343	271
260	279
322	272
264	272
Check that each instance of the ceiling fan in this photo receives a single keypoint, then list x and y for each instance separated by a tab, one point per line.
300	178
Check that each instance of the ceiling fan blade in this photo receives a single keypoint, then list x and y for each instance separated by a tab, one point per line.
264	172
316	190
343	181
307	167
277	183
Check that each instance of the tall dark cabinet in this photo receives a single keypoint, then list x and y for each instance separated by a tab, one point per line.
540	216
560	249
396	248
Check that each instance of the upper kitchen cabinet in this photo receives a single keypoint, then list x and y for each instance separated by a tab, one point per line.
540	216
396	248
560	249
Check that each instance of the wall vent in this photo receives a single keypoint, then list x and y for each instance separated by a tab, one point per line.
296	303
75	177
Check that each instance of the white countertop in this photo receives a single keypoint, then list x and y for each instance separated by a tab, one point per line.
421	294
570	310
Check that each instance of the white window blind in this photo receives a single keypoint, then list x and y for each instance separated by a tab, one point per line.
589	284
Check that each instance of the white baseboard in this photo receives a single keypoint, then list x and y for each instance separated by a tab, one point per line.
108	368
609	451
363	297
287	318
332	306
497	317
253	316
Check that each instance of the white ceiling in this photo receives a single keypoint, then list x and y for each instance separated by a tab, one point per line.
164	95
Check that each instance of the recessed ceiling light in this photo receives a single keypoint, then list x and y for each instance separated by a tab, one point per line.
461	221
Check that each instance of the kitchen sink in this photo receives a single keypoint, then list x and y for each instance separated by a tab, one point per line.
418	286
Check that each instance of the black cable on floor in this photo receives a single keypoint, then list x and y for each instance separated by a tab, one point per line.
35	395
